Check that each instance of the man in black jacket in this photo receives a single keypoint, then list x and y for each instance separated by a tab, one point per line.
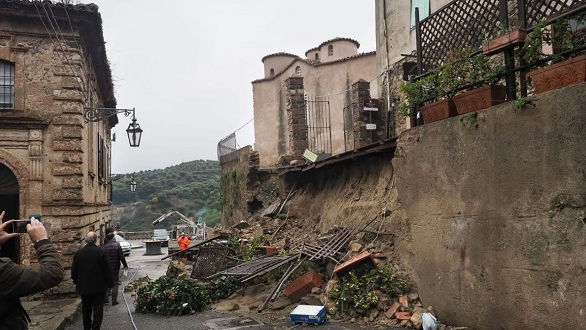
92	276
18	281
113	252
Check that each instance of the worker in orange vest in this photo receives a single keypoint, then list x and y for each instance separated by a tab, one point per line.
183	242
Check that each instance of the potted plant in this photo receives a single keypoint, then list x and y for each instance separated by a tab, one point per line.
507	39
422	90
562	72
479	69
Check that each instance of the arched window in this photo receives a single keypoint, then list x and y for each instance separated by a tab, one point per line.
6	85
330	50
272	74
317	56
298	71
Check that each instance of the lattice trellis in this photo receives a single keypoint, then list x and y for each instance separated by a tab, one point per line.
458	25
537	10
210	260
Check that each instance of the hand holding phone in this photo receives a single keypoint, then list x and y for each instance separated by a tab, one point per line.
36	230
4	236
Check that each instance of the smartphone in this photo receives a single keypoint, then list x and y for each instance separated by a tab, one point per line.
19	226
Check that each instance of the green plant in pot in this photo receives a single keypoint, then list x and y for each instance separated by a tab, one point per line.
482	71
564	35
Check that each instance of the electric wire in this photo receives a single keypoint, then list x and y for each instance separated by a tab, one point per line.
126	302
62	45
53	42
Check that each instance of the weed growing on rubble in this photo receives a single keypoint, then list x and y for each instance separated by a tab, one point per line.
361	292
248	250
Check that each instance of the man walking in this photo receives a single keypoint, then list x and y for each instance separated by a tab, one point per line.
18	281
92	276
114	254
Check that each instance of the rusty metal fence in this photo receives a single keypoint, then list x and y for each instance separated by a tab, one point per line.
319	127
210	260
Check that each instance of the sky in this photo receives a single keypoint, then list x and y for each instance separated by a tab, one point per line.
187	66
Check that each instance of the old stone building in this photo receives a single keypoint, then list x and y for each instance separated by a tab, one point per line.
311	102
53	65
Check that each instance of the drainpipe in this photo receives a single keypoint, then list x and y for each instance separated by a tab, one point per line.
391	115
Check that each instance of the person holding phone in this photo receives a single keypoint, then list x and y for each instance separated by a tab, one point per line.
18	280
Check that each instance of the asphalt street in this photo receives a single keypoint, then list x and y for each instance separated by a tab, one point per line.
117	317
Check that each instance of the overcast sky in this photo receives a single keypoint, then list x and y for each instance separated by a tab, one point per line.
186	65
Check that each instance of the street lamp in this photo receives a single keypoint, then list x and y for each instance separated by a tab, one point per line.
97	114
134	133
133	185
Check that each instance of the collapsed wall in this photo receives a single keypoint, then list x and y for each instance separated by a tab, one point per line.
487	210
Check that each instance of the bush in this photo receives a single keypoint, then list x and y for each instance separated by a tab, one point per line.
169	296
360	292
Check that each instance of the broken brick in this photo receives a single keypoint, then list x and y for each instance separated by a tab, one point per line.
302	285
364	257
403	316
268	250
404	300
391	311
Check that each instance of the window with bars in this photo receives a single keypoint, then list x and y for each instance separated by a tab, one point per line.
423	6
101	160
6	86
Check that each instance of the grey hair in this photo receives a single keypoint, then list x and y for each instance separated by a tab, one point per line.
91	237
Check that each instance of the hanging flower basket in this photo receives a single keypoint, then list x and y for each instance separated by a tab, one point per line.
440	110
559	75
513	38
480	98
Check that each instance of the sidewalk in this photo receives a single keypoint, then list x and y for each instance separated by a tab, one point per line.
51	314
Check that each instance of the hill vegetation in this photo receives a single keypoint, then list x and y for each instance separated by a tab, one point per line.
192	188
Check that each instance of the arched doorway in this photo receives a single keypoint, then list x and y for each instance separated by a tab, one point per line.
9	203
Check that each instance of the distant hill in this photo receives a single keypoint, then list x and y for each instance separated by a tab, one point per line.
192	188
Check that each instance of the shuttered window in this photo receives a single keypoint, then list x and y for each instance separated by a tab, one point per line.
6	86
423	6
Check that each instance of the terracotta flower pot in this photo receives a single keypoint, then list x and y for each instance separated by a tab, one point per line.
438	111
480	98
497	45
559	75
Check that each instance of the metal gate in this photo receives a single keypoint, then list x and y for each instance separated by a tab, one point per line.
319	131
349	136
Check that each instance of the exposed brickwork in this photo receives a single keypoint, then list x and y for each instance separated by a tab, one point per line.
296	121
362	136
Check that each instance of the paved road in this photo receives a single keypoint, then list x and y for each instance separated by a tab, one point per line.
116	317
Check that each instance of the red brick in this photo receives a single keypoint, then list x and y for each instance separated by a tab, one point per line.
268	250
403	315
361	258
404	300
391	311
302	285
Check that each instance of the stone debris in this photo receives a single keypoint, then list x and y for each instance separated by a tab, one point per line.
178	269
137	283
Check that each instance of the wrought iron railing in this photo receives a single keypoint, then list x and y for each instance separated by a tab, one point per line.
465	24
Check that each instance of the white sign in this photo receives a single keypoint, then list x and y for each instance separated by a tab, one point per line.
370	127
370	109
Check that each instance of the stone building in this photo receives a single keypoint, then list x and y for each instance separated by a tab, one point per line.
53	64
310	102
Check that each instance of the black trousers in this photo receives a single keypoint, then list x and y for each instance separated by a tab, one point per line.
93	304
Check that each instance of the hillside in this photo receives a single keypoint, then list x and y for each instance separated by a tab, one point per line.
192	188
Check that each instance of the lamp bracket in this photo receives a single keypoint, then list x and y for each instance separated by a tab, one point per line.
98	114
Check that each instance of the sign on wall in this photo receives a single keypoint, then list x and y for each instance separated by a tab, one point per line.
371	105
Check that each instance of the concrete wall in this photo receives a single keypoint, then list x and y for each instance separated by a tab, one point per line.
277	63
322	80
496	206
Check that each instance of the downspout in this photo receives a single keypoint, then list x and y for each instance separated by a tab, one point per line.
391	114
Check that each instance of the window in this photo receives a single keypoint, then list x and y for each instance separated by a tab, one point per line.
317	56
298	71
423	6
101	160
6	86
330	50
272	74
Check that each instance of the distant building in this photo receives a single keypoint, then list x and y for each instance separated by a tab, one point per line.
324	78
53	64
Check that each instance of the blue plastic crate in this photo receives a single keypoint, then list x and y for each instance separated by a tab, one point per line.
309	314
